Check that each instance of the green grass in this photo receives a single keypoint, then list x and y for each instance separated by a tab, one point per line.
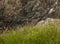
49	34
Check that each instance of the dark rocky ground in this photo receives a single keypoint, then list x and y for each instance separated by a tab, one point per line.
27	12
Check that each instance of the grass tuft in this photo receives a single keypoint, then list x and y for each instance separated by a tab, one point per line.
49	34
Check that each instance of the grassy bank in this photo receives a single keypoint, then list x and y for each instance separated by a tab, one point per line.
49	34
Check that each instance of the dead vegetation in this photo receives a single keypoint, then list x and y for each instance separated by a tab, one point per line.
27	12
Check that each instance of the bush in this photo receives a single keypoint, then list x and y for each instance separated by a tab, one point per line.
27	12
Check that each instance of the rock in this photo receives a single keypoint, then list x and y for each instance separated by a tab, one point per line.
47	21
